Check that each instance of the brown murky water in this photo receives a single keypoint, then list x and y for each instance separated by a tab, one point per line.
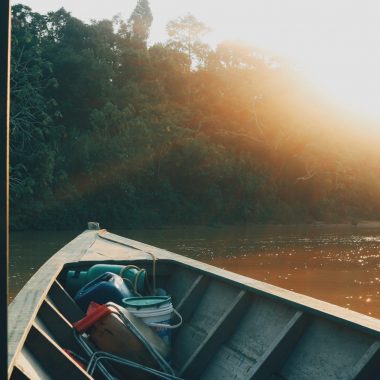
335	263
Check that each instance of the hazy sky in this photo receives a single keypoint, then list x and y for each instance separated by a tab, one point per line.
336	42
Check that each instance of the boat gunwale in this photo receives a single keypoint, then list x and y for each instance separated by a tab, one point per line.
24	313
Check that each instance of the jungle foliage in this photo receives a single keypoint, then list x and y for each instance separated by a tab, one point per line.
105	127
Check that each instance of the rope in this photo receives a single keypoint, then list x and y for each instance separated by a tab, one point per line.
154	259
136	278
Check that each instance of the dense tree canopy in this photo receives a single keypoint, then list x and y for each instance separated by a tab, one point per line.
106	128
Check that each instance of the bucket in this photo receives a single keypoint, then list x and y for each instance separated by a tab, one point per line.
156	312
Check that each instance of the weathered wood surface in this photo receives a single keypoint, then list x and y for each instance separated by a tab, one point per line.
47	355
276	353
215	337
23	309
128	248
366	366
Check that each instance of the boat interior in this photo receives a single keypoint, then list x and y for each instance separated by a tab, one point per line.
229	331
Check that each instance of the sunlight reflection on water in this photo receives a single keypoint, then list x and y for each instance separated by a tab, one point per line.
339	264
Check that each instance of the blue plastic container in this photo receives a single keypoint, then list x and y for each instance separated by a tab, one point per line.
108	287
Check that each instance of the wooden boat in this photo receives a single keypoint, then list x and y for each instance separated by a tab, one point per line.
233	327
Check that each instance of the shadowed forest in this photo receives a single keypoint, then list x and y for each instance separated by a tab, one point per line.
106	127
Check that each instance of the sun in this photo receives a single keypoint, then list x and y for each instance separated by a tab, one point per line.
338	47
348	75
335	43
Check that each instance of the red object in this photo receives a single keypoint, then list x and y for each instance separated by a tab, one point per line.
94	313
75	358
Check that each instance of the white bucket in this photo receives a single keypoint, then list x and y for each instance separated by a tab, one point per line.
157	315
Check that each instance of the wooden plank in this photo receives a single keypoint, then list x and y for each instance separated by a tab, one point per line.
50	315
18	374
191	299
58	296
54	324
222	331
29	366
278	351
369	364
324	351
23	309
213	304
51	358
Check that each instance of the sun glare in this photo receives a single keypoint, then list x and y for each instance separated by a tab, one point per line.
346	69
336	43
340	52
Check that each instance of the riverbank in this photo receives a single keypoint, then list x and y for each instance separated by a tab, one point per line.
355	223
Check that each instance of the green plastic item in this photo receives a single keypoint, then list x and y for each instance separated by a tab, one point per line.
134	277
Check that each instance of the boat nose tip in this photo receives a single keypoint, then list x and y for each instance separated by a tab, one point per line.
93	226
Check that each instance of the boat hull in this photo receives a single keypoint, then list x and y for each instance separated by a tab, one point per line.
233	326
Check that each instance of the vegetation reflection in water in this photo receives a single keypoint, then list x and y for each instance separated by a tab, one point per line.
335	263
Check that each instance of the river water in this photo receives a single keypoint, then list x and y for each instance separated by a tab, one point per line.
335	263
